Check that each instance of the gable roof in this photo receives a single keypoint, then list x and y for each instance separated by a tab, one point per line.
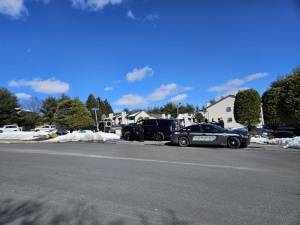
231	96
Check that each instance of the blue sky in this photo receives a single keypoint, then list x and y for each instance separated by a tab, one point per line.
140	53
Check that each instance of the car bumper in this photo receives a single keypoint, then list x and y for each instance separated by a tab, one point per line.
174	138
245	141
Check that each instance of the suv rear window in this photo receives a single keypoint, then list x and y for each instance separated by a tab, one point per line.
150	123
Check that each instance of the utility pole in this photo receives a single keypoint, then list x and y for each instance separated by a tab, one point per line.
178	113
97	124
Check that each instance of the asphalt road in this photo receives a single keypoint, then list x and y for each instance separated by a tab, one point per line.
127	184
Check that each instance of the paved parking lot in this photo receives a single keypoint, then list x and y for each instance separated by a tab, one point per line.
148	183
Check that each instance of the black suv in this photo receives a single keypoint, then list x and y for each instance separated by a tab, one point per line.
157	129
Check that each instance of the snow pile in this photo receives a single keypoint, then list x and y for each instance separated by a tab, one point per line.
23	135
259	140
285	142
84	136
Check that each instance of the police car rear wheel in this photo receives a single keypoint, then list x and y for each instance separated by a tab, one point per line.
233	142
183	142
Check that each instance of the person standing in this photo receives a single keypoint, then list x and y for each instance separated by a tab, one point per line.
140	133
221	122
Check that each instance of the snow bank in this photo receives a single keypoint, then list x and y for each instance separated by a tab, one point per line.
284	142
84	136
259	140
23	135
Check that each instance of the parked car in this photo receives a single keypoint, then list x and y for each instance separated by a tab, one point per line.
284	132
157	129
46	128
61	132
105	125
114	128
210	134
10	128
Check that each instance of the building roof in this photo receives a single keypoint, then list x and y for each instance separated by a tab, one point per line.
156	115
135	114
223	98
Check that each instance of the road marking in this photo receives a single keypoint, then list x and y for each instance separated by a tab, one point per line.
47	152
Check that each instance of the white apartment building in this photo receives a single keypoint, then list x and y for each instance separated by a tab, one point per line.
223	108
124	118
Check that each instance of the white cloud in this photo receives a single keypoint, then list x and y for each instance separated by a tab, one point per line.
178	98
23	96
227	86
94	4
188	88
256	76
158	94
131	100
16	8
234	85
108	88
163	91
13	8
139	74
152	17
130	15
50	86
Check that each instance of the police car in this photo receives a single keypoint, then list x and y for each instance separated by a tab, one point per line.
210	134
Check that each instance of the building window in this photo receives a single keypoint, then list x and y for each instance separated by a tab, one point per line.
229	120
228	109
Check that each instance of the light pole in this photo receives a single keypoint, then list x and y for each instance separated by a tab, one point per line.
97	124
178	113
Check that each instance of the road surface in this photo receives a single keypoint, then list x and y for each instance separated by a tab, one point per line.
128	184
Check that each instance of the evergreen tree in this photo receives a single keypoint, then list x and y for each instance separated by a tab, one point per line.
247	107
289	99
270	105
126	110
8	103
105	107
48	109
108	108
28	120
154	110
170	108
63	97
199	117
72	115
91	102
188	108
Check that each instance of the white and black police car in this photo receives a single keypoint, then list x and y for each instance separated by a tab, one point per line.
210	134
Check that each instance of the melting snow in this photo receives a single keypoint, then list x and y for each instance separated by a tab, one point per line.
84	136
23	135
284	142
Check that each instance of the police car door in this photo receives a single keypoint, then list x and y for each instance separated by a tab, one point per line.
208	135
195	134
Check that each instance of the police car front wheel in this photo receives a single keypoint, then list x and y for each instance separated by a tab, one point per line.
233	142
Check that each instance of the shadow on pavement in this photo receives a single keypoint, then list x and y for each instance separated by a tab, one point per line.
30	212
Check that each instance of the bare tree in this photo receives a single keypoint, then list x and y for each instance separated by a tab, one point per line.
34	104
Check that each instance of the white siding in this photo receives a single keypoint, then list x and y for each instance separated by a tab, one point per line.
220	110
